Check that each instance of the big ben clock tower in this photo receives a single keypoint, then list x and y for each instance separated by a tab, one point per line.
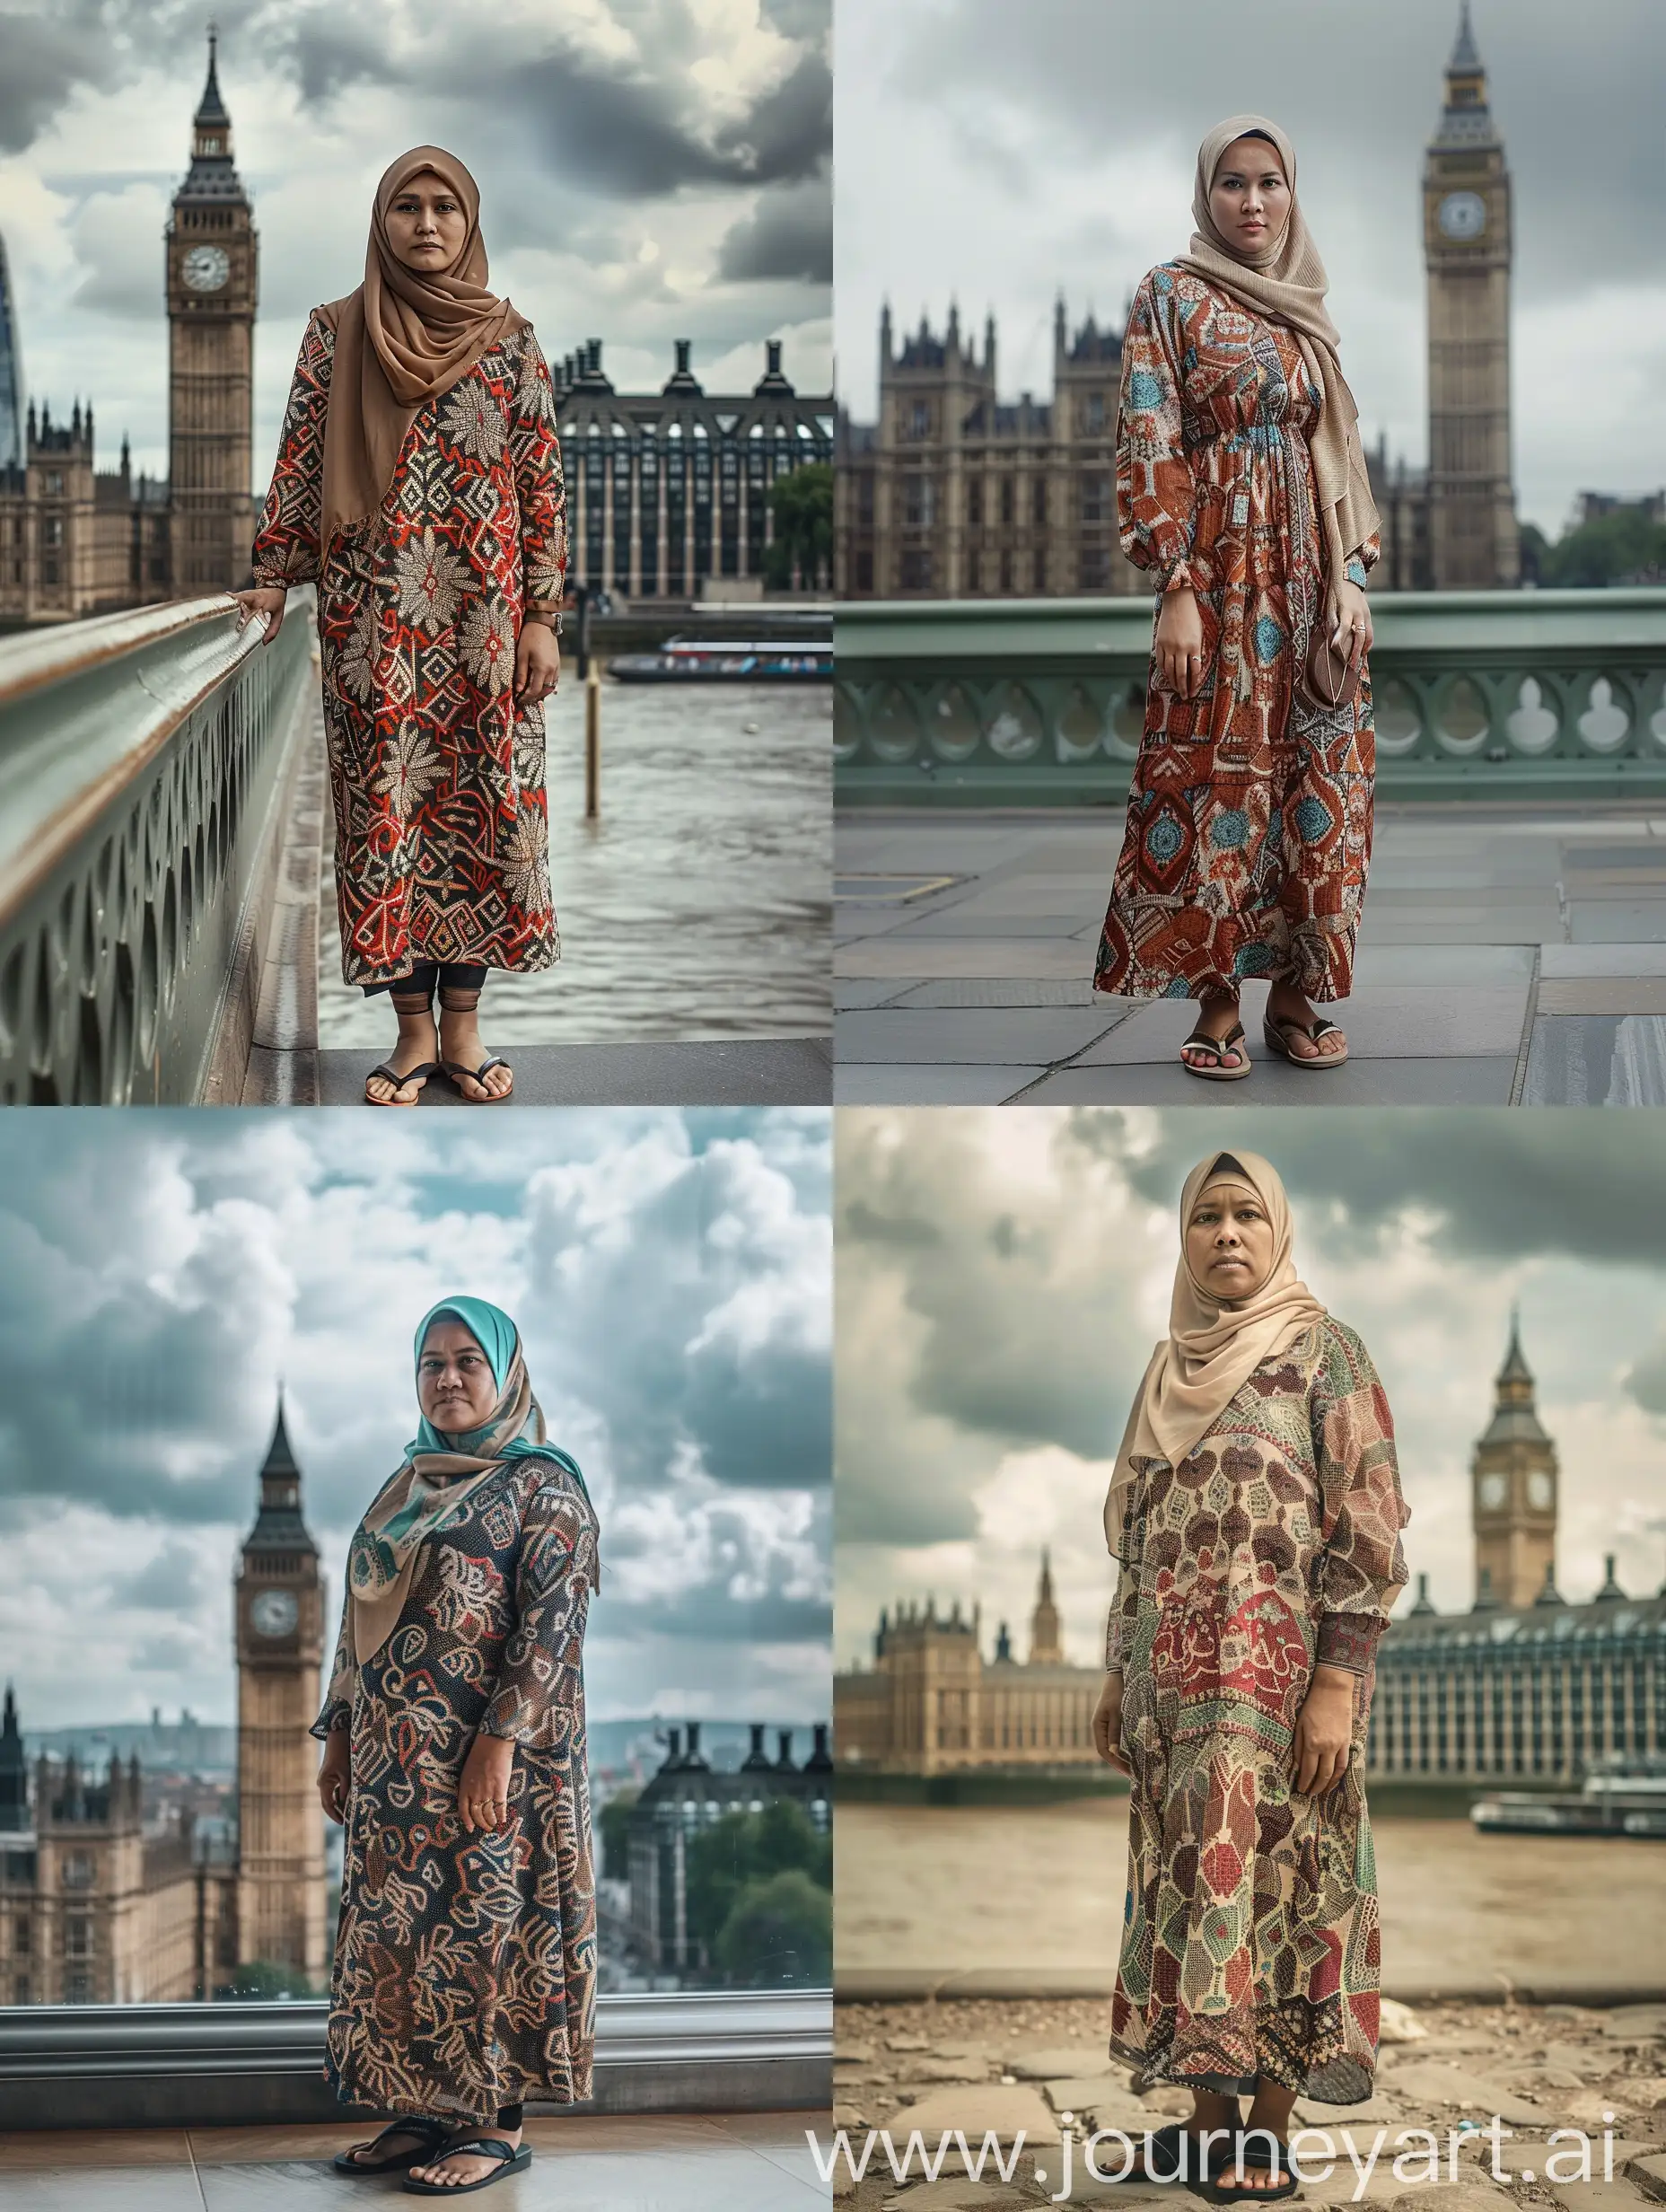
1514	1491
280	1637
1474	541
211	322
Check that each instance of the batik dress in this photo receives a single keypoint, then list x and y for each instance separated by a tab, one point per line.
1250	1940
465	1965
1249	817
436	775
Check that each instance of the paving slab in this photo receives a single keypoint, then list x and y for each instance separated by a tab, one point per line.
1001	2109
1597	1060
1361	1082
928	1083
1615	959
1384	1023
855	995
1600	921
918	957
977	1037
750	1071
1010	991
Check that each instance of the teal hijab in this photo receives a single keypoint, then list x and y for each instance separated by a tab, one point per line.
442	1471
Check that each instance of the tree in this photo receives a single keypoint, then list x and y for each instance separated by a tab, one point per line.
801	502
779	1931
749	1926
613	1827
1625	545
266	1980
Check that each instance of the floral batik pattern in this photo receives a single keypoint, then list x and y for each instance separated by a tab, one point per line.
1249	819
1251	1942
465	1967
436	775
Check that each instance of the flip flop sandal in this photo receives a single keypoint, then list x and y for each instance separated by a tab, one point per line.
1276	1033
453	1068
430	2134
483	2146
1161	2160
428	1068
1220	1072
1221	2185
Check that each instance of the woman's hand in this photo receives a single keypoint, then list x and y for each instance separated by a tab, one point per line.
1180	642
482	1787
1108	1724
267	601
1324	1730
538	663
1353	633
334	1780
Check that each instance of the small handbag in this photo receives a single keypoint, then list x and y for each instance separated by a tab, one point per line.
1330	680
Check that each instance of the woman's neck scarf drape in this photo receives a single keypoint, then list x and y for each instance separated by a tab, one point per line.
440	1472
403	338
1212	1350
1287	284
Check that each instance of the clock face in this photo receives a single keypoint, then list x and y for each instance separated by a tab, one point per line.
1493	1489
1541	1490
273	1612
205	267
1462	215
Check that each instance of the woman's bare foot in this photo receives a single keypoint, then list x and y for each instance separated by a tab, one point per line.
417	1048
388	2145
1286	1006
462	1049
1216	1014
452	2169
1269	2110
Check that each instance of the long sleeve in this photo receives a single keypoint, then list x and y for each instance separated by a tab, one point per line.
1126	1604
337	1708
1156	494
540	1690
539	486
1362	1566
286	543
1363	558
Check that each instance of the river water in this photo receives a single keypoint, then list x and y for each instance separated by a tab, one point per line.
948	1888
699	905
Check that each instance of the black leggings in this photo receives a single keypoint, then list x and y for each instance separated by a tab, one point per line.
459	982
509	2115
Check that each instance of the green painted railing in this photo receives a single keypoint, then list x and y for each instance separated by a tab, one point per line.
1479	695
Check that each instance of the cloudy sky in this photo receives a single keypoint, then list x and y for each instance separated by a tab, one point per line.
160	1272
649	169
999	167
1003	1276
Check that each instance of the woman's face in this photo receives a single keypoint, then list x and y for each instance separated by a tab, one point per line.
426	224
455	1386
1228	1243
1249	199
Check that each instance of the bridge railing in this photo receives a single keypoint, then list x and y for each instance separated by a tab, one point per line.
143	761
1479	695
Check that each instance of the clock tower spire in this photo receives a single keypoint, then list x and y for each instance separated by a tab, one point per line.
1474	539
1514	1489
280	1634
211	278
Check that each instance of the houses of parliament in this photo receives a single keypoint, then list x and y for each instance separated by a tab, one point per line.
1528	1684
954	494
101	1904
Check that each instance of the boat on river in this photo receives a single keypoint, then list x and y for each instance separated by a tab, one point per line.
1624	1796
708	660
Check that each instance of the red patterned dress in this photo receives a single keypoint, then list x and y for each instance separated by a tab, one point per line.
1250	1943
1249	828
437	778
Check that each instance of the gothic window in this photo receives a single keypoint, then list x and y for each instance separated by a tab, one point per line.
919	500
975	503
864	496
1038	501
77	1936
55	481
77	1871
920	420
77	1989
1038	570
1008	503
916	571
1095	497
1093	568
975	572
864	570
1093	413
1006	571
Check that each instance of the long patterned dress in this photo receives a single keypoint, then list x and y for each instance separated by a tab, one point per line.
437	778
465	1967
1250	1945
1249	819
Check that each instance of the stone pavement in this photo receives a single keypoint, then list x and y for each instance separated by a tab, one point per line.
780	1071
999	2068
1507	957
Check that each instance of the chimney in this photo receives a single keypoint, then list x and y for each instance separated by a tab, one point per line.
821	1760
783	1764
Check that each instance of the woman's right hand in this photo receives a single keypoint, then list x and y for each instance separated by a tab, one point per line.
334	1776
1108	1724
267	601
1180	642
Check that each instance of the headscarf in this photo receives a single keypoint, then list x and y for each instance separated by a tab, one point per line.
440	1472
404	336
1286	282
1212	1350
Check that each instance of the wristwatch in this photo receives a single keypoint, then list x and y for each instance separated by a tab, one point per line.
549	615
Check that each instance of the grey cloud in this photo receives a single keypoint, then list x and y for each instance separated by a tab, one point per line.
1645	1384
43	60
788	238
168	1583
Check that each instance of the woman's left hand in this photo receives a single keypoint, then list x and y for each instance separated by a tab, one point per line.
482	1787
1324	1732
1353	633
538	663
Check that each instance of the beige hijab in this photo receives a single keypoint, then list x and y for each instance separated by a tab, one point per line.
1287	284
1212	1350
402	338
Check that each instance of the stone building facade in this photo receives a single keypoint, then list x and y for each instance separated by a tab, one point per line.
100	1904
1522	1685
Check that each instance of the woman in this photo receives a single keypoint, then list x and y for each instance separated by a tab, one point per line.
1242	489
465	1969
1255	1509
418	482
